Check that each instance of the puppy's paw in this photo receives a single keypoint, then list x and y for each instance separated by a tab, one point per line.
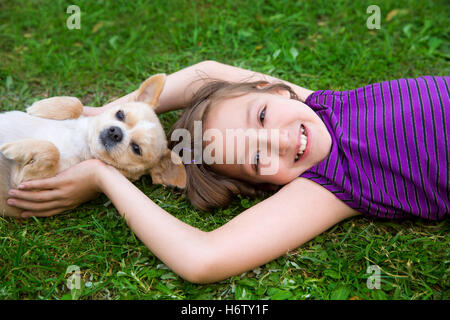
36	159
57	108
15	151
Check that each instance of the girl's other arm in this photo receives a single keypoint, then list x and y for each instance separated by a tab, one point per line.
181	85
294	215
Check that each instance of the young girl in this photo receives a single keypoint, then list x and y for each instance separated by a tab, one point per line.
381	150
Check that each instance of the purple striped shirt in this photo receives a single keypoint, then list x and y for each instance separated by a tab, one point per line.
390	151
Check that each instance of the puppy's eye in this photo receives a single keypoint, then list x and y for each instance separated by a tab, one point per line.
136	149
120	115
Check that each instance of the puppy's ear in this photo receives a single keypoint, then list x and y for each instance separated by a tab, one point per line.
150	90
169	171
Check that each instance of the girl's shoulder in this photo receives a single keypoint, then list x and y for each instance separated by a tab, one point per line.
295	214
312	196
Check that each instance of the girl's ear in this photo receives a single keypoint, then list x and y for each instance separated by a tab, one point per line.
150	90
169	171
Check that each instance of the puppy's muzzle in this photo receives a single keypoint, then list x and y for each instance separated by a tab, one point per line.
111	136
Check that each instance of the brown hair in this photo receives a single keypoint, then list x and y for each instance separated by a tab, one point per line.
205	188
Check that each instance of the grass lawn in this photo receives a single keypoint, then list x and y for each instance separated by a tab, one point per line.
316	44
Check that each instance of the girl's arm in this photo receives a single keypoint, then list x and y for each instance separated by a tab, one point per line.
297	213
65	191
181	85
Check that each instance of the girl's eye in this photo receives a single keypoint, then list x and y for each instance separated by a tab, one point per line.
256	162
136	149
262	115
120	115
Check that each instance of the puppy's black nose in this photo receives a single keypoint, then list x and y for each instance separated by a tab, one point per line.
115	134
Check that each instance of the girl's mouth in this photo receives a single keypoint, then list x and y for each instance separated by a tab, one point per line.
302	143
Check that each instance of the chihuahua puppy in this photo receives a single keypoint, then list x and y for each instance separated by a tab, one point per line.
53	136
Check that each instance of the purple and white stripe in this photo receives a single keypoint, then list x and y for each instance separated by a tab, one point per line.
390	154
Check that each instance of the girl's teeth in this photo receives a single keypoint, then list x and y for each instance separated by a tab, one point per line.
303	143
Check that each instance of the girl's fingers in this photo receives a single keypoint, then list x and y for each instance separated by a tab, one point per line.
35	196
35	206
49	183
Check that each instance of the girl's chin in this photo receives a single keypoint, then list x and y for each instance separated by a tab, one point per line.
281	181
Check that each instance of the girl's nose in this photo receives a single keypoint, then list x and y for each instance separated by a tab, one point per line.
283	142
271	140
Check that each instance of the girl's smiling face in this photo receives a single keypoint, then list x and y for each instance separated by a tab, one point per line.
285	120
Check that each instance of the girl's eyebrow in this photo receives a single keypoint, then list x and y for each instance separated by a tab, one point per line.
250	107
254	115
248	114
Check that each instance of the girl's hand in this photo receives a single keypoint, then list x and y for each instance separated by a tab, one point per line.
65	191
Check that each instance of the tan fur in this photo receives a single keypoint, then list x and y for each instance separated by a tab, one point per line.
152	141
36	159
151	89
168	173
28	159
132	119
21	161
6	168
57	108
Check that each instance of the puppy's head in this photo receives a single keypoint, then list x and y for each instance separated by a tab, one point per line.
130	137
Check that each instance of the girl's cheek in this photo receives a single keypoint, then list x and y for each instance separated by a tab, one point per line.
283	176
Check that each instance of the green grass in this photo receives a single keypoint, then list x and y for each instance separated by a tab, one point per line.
316	44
